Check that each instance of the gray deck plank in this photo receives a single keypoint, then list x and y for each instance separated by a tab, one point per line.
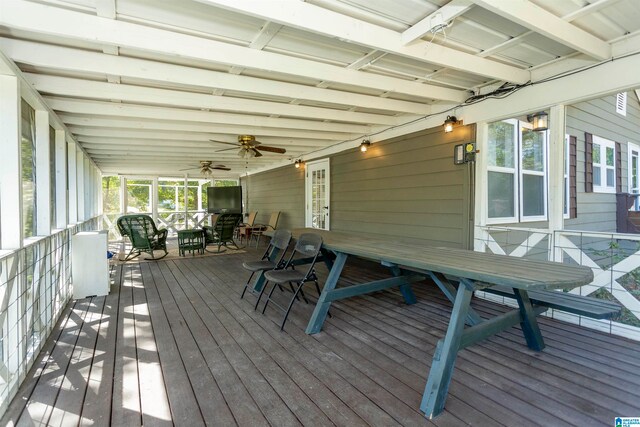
68	406
125	408
96	410
42	400
154	402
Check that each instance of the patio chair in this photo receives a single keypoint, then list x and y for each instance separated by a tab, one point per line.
259	229
244	229
272	259
222	232
308	246
143	235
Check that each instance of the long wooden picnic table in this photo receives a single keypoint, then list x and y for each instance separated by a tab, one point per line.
447	267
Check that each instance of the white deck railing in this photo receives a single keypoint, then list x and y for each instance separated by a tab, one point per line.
613	257
35	285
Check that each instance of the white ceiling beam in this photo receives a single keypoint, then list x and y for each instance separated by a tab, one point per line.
168	142
111	109
445	14
53	21
187	136
77	60
172	98
127	123
308	17
178	150
537	19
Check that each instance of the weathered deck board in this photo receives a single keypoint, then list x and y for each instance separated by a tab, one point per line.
174	344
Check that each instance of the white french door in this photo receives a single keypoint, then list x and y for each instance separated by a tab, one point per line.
317	194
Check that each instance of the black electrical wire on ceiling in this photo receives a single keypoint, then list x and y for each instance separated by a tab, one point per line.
506	90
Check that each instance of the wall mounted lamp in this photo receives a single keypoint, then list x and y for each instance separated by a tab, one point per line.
364	145
449	122
540	120
298	163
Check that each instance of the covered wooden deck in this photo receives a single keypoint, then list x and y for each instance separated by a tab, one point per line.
174	344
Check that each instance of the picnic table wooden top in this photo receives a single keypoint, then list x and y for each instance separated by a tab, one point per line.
477	266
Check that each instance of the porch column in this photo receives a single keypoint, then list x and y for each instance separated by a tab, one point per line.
556	172
43	174
480	236
62	210
10	177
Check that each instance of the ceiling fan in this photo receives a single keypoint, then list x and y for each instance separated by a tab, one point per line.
206	167
249	147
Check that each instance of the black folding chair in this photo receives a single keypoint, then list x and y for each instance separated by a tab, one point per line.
273	258
308	246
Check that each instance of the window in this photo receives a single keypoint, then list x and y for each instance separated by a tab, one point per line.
621	103
567	190
28	162
604	165
517	172
52	175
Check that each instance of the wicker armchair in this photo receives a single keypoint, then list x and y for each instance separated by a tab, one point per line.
143	235
222	232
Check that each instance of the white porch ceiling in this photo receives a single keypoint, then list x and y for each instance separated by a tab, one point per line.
145	84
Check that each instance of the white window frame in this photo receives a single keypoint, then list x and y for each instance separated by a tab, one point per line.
522	172
518	173
604	144
631	147
567	176
514	171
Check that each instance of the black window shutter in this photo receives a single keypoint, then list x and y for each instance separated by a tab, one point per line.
588	163
618	168
573	162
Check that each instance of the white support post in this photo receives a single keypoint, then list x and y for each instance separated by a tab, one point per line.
481	187
73	183
123	195
556	173
186	202
62	218
154	199
80	184
10	177
43	174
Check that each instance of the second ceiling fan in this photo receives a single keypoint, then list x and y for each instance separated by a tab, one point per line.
249	147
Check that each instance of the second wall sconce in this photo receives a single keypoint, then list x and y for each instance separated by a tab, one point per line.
298	163
540	121
449	122
364	145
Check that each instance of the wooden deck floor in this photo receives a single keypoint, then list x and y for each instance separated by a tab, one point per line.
174	344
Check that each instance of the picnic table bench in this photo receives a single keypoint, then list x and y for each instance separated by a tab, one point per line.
458	273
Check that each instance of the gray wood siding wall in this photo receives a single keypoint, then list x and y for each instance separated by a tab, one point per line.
281	190
406	189
597	211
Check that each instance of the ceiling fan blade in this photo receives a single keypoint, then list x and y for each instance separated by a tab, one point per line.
190	169
255	152
225	149
221	167
225	142
271	149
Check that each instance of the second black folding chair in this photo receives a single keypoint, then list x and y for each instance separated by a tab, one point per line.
307	246
273	258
